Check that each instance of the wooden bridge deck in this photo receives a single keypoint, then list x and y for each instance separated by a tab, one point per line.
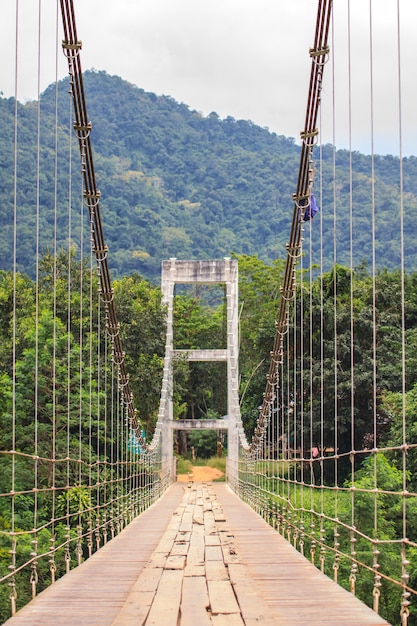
198	556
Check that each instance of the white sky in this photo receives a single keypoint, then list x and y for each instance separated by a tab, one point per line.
244	58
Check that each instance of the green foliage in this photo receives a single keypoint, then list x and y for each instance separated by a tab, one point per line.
75	504
177	184
259	286
143	329
199	387
184	466
204	442
217	462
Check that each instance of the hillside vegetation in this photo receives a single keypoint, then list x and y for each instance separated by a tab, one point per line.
177	184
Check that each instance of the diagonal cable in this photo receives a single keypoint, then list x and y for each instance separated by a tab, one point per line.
302	199
82	126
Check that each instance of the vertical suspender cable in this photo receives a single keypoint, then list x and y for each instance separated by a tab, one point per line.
34	574
300	369
405	602
374	271
69	331
52	564
90	392
81	372
335	339
98	417
13	592
351	267
352	286
321	302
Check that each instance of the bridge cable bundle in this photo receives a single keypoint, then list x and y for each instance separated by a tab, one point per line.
304	207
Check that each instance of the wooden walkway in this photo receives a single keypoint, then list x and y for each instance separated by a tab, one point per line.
198	556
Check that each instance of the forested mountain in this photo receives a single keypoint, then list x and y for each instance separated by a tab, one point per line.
177	184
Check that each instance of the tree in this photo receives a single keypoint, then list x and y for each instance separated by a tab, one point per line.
142	321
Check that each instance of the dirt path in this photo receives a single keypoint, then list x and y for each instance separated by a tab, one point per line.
200	474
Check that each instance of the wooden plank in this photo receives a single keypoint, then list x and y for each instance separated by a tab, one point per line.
196	549
166	605
174	562
179	548
252	606
194	570
214	553
148	580
195	603
212	540
166	542
222	597
135	610
216	570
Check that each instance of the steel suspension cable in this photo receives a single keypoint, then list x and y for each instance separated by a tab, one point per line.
52	563
83	126
302	197
12	566
405	577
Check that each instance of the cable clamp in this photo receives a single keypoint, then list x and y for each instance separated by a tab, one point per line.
83	130
300	197
101	253
319	52
294	252
92	199
309	137
71	50
113	329
118	358
83	127
303	204
72	46
286	294
306	134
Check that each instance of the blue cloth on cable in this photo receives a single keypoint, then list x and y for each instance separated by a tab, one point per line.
312	207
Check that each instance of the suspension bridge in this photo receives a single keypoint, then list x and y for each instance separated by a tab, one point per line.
316	522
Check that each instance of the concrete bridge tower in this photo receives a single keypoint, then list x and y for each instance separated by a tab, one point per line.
225	272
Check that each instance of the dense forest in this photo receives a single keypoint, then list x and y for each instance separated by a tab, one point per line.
196	391
177	184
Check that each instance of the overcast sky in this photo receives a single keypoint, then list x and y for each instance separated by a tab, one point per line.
244	58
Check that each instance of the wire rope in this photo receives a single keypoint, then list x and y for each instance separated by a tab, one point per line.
12	567
52	563
405	597
34	574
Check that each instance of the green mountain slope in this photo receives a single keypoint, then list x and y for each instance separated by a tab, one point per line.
175	183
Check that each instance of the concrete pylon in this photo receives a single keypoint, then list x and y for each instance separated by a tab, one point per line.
223	271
